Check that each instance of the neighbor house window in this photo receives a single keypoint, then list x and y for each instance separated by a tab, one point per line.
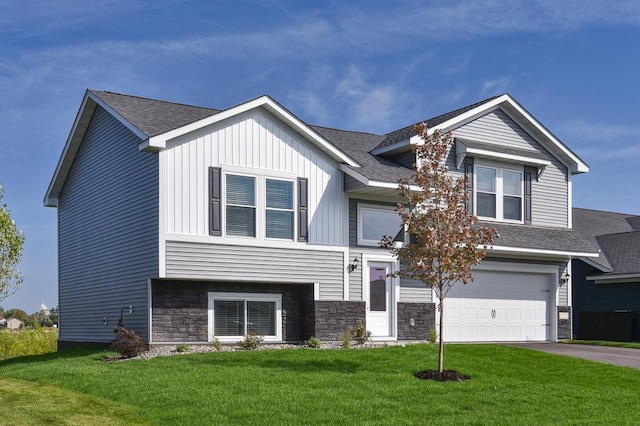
234	315
376	221
498	193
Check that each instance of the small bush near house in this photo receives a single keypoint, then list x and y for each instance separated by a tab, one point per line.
345	338
182	347
127	343
35	341
360	333
433	335
216	345
251	341
313	342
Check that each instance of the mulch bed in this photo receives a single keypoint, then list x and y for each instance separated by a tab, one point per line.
445	376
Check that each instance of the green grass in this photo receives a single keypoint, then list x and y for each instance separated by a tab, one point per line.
27	342
633	345
370	386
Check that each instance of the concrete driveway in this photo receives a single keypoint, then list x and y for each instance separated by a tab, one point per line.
624	357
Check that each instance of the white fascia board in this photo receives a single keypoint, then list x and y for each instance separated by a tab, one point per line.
392	147
542	252
159	142
578	165
615	278
520	159
374	183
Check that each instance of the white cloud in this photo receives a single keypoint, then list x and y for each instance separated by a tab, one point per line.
603	141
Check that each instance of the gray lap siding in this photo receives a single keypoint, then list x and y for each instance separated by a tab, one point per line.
107	234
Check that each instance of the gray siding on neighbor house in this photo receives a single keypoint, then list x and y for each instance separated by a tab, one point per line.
220	262
591	297
550	193
410	291
107	233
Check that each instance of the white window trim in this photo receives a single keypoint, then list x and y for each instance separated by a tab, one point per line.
261	297
261	200
499	191
370	207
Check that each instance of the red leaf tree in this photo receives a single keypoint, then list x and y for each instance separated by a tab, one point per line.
446	242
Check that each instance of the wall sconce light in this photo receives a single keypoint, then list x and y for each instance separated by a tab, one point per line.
354	265
564	279
121	320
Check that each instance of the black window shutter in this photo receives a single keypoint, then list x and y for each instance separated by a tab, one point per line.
468	173
303	208
530	173
215	202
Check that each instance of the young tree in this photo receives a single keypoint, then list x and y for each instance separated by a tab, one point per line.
11	242
445	242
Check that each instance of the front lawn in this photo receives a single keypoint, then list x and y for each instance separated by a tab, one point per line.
372	386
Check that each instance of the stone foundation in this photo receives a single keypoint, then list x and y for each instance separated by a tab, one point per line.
415	320
332	318
180	309
564	325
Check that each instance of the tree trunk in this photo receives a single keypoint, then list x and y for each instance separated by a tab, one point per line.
441	351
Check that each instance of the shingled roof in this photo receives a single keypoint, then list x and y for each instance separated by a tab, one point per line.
409	131
542	238
151	116
617	235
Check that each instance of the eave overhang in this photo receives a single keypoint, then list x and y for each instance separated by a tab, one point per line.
615	278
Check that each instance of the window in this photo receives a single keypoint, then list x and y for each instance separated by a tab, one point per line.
241	205
234	315
258	206
498	193
376	221
279	209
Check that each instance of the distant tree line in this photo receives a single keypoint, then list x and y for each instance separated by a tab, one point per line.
48	318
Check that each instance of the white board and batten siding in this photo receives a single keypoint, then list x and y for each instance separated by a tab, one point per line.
108	233
259	144
553	187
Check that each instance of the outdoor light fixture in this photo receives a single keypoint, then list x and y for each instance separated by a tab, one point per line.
564	279
121	320
354	265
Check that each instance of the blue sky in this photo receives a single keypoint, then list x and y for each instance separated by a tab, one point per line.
371	65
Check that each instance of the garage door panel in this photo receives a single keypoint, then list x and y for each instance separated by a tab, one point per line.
499	306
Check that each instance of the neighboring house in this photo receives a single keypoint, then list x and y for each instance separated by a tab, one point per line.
14	324
610	282
194	224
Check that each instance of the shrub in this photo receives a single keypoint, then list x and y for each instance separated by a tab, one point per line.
360	333
313	342
127	343
216	345
182	347
433	335
345	338
251	341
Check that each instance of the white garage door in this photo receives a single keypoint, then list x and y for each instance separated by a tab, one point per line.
498	306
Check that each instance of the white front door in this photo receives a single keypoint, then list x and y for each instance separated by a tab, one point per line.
379	295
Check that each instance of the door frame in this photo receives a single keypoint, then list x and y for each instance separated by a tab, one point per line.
394	293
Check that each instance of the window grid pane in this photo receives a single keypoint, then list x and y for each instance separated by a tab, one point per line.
261	318
486	205
512	207
279	209
241	203
228	318
511	183
486	179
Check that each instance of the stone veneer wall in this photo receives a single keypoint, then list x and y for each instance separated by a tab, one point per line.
564	326
334	317
180	309
424	320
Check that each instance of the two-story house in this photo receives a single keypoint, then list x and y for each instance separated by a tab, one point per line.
191	224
